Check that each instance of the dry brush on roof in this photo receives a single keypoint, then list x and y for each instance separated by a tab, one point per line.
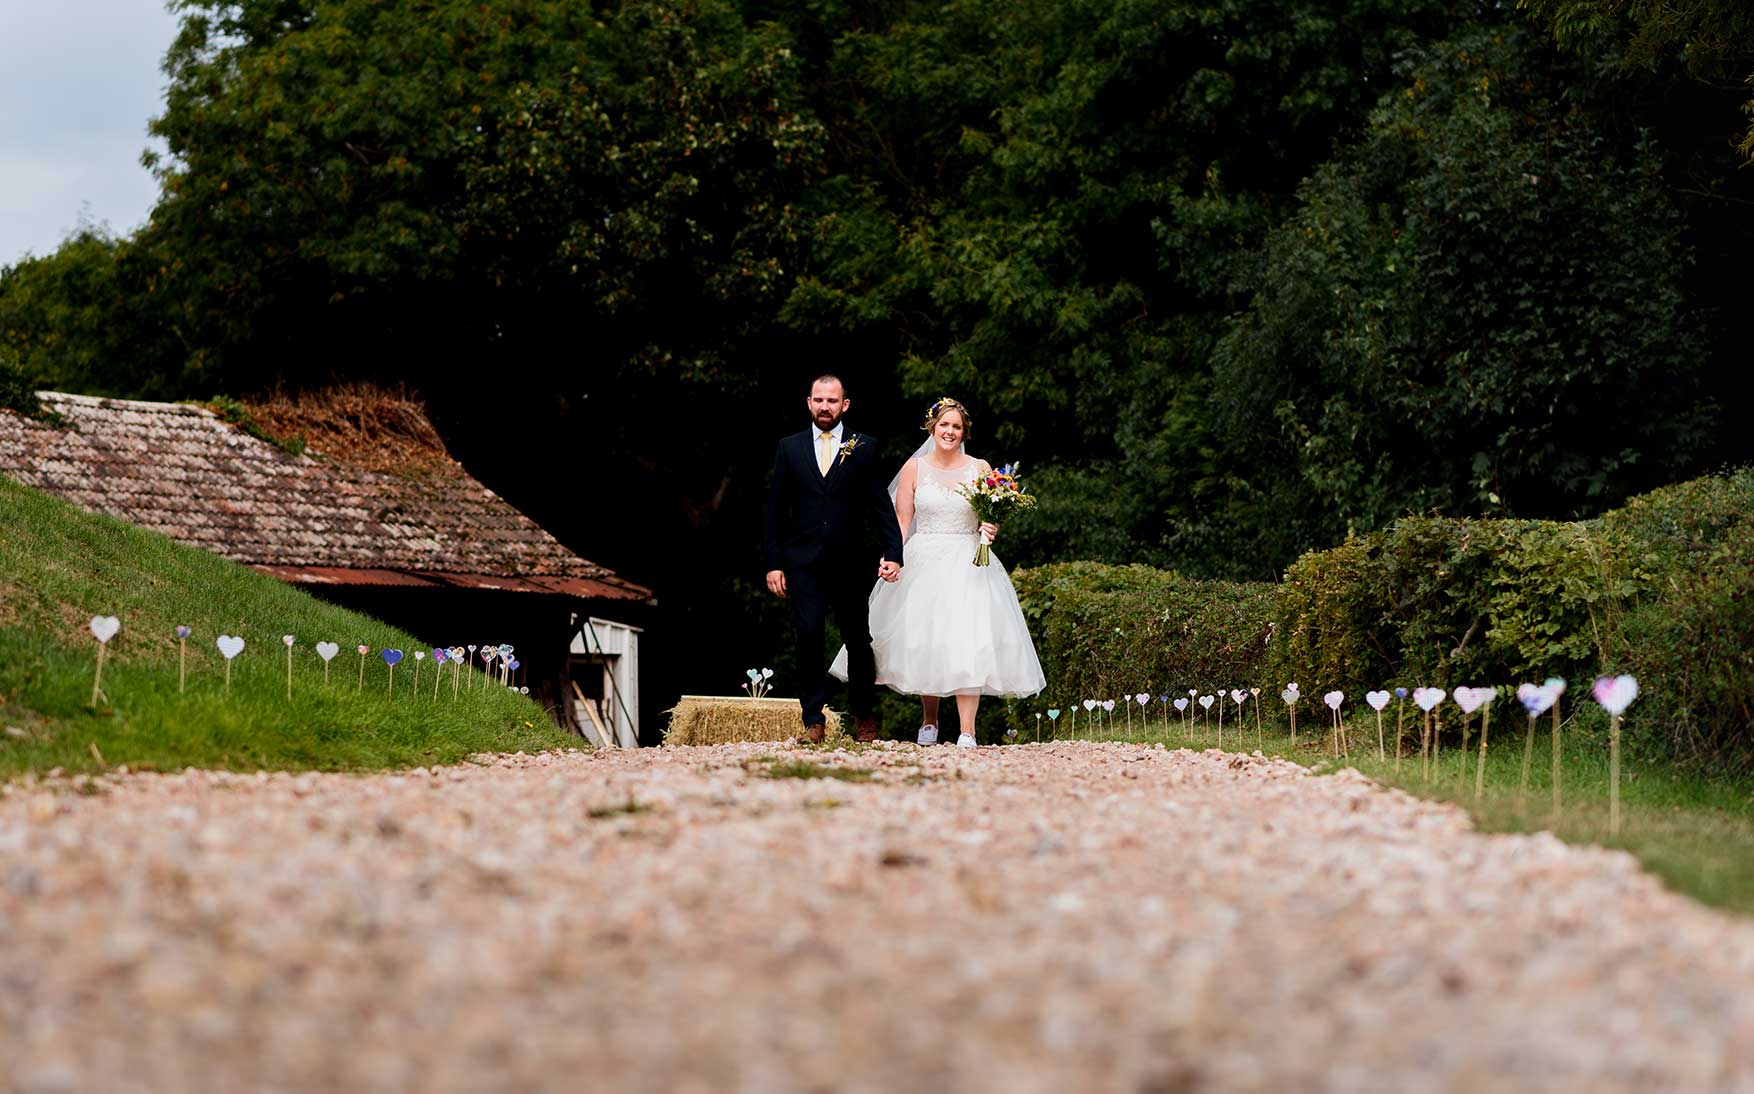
362	425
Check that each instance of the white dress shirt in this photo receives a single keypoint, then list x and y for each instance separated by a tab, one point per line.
816	440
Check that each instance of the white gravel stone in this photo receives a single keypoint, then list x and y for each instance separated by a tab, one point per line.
1029	918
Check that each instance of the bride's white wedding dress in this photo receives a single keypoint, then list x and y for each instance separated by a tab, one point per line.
947	626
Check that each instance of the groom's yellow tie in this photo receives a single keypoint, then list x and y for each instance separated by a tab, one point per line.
824	452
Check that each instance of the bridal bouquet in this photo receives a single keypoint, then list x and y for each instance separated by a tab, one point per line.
994	497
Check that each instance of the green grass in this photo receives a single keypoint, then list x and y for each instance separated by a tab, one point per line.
60	566
1694	832
809	769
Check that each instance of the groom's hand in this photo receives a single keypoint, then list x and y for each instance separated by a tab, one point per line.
889	571
776	582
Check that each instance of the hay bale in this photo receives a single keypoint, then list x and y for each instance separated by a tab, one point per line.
719	719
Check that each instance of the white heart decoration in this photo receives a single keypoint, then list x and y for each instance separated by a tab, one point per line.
1615	693
1206	701
766	674
1469	699
1292	687
1090	704
1193	692
1108	705
104	627
1289	696
419	656
1142	698
1377	699
1181	703
1334	699
229	645
1237	695
1538	698
288	639
327	650
1428	698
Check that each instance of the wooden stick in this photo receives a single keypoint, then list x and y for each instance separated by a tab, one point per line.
1400	714
1462	772
438	677
98	679
392	681
1480	764
1558	798
1293	725
1614	776
228	676
289	672
182	665
1436	739
1425	750
417	663
1260	734
1528	761
361	671
1381	753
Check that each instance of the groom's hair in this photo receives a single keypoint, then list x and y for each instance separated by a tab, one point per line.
830	378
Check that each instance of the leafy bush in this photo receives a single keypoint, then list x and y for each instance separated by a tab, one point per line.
1107	631
1662	588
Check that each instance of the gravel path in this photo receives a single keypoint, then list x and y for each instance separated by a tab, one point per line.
1030	918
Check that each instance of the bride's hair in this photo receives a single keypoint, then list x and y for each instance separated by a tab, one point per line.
944	406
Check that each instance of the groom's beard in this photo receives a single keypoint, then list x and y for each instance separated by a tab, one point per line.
829	424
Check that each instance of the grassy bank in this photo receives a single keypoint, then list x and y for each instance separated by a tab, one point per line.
60	566
1694	832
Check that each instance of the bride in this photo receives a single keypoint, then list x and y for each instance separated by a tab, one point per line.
947	626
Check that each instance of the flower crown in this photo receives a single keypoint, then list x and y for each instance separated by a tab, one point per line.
942	404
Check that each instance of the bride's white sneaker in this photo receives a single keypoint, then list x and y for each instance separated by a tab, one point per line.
965	741
928	735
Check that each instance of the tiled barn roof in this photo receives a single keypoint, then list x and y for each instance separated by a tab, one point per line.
178	469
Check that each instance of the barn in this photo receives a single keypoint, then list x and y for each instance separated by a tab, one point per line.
352	496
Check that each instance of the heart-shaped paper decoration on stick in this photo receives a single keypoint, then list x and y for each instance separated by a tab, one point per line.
104	627
1237	695
288	639
1053	715
184	632
1428	698
438	656
1090	704
391	657
1108	705
513	665
489	653
1206	701
1615	693
505	650
1469	699
1289	696
1142	698
1181	703
767	674
1377	699
229	646
364	649
1536	698
327	650
420	655
1334	699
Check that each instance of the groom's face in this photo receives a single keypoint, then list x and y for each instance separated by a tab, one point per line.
827	403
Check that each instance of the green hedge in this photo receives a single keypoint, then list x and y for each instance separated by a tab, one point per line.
1107	631
1662	587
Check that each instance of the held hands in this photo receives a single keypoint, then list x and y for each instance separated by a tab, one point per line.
776	583
991	531
889	571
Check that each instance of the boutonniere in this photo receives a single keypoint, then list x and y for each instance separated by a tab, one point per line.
847	448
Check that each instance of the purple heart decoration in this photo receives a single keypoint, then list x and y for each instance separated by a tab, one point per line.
184	632
391	657
438	657
513	665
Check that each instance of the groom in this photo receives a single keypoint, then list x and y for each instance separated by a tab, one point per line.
827	500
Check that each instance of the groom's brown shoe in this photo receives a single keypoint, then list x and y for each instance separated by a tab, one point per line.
815	733
866	726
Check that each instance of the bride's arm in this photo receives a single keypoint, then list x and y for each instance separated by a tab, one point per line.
982	468
904	498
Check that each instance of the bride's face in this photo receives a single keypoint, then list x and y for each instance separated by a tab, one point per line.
948	431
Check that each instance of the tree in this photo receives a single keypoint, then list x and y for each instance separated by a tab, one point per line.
1714	39
1478	307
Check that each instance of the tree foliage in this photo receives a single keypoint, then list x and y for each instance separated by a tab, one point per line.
1479	308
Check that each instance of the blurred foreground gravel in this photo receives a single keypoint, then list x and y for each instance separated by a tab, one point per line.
1030	918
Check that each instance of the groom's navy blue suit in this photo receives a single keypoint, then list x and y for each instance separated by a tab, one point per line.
820	533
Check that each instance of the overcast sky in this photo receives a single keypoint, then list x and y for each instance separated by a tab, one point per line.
78	81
